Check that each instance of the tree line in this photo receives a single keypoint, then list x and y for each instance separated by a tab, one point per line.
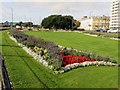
25	24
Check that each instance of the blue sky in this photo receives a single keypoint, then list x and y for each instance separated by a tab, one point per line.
35	10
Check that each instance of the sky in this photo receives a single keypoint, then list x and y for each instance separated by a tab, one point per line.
36	10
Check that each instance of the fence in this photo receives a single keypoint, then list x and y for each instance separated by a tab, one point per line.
5	80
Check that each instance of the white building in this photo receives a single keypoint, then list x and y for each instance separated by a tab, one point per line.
115	15
95	22
86	23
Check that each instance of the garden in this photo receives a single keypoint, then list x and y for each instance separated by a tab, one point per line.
21	67
99	45
58	58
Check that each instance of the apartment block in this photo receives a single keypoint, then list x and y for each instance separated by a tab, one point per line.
115	15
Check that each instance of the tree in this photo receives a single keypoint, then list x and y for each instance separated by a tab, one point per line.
58	22
96	26
20	23
27	24
6	22
76	24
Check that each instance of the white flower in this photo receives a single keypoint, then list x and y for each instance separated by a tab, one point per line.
45	51
50	67
61	71
56	72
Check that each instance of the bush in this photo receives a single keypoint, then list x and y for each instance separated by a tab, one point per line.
92	56
99	58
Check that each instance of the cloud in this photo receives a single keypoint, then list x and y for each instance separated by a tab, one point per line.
56	0
37	10
0	12
62	7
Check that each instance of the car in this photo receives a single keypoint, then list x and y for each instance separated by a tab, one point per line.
113	31
100	30
81	29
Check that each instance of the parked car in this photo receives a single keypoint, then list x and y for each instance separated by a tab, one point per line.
113	31
81	29
100	30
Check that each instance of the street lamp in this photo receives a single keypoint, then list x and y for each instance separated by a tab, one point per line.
12	19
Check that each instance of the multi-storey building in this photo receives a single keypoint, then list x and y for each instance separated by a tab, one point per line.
115	15
95	22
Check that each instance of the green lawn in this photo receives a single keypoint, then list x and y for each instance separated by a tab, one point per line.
102	46
25	72
93	77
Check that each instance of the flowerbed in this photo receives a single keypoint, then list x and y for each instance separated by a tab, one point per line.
46	49
56	57
69	59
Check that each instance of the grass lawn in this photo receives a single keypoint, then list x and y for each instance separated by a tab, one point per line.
102	46
92	77
25	72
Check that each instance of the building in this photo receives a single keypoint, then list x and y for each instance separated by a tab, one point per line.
115	15
95	22
18	27
86	23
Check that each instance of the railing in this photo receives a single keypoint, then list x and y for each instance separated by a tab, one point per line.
5	80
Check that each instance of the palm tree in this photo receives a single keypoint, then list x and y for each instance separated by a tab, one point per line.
89	26
96	26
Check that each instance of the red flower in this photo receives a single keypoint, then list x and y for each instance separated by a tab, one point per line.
69	59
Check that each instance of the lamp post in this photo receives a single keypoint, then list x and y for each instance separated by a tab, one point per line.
12	19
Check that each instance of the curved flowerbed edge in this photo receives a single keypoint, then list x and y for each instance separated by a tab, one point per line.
68	67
